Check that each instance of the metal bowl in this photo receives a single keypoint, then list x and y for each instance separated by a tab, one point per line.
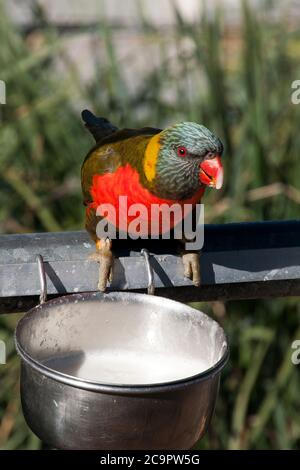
119	371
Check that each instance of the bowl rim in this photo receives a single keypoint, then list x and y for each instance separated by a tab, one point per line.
90	385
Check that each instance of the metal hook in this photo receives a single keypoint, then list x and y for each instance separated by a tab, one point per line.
42	276
151	287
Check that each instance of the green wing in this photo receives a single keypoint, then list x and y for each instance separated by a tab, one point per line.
122	147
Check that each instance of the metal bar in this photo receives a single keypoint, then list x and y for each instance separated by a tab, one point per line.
246	260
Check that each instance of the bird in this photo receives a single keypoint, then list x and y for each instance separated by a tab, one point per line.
148	166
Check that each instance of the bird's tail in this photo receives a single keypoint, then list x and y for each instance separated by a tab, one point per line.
99	127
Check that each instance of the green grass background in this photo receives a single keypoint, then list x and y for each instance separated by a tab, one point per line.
235	81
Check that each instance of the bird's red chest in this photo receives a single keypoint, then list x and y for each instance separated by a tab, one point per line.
124	202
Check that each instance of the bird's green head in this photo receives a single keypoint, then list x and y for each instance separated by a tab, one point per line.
182	159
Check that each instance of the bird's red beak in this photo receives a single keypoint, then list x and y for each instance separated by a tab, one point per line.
211	172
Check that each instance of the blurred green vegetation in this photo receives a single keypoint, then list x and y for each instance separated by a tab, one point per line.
236	81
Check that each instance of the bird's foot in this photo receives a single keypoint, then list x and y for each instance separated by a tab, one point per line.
191	264
104	257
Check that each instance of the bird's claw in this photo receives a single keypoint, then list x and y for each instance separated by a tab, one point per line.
104	257
104	278
191	264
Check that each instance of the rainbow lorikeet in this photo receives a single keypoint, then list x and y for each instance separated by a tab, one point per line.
149	166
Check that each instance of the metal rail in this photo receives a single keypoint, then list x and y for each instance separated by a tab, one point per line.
239	261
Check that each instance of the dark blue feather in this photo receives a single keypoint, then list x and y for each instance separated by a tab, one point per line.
99	127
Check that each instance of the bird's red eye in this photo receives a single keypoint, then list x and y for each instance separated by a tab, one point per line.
181	151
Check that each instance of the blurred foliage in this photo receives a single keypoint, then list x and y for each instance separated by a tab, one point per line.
236	81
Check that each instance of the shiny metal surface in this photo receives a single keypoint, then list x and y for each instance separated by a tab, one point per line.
150	287
43	280
69	411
